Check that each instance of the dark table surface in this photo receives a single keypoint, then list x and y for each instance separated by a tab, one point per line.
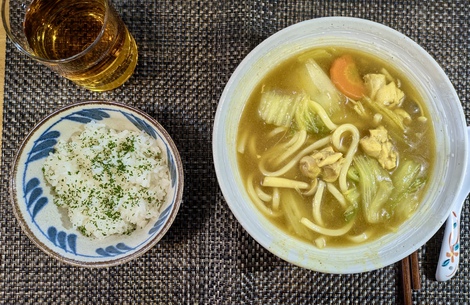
187	52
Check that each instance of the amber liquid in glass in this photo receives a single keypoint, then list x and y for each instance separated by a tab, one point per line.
71	33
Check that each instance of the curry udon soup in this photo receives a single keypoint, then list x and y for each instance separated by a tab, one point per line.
335	147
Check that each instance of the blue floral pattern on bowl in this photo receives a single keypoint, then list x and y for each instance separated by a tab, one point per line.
47	225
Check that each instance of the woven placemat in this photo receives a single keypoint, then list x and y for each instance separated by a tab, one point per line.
187	52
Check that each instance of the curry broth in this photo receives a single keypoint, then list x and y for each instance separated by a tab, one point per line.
418	140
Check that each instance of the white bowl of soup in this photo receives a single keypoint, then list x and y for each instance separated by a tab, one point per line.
339	145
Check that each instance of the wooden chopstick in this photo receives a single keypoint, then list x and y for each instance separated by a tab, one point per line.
411	278
415	274
406	280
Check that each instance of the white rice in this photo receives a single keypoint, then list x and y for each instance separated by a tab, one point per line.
111	182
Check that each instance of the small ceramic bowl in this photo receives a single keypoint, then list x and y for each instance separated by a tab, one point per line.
41	219
430	81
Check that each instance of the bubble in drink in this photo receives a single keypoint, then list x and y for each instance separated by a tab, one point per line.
73	34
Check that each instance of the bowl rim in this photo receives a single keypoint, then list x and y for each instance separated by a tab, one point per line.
151	242
219	136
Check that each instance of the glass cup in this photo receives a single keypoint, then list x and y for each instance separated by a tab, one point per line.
83	40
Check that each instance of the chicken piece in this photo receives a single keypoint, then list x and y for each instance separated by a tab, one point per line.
373	83
388	95
379	146
325	163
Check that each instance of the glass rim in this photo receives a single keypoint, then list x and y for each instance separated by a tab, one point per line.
19	46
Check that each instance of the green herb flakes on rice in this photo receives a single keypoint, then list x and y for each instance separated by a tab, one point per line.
111	182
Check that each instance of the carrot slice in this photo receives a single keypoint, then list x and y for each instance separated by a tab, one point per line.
345	76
